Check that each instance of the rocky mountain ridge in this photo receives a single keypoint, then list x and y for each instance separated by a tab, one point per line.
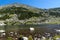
24	14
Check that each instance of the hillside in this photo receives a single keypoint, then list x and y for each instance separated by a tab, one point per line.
16	14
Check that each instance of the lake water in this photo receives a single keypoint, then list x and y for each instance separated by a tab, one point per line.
49	27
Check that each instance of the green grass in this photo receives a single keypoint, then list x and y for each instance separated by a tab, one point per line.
57	22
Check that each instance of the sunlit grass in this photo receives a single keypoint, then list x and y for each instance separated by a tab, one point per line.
57	22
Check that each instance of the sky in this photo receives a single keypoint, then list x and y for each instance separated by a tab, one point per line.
34	3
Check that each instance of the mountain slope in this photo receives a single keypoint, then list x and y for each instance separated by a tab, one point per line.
29	15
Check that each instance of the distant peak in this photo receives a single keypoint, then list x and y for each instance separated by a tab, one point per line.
15	3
